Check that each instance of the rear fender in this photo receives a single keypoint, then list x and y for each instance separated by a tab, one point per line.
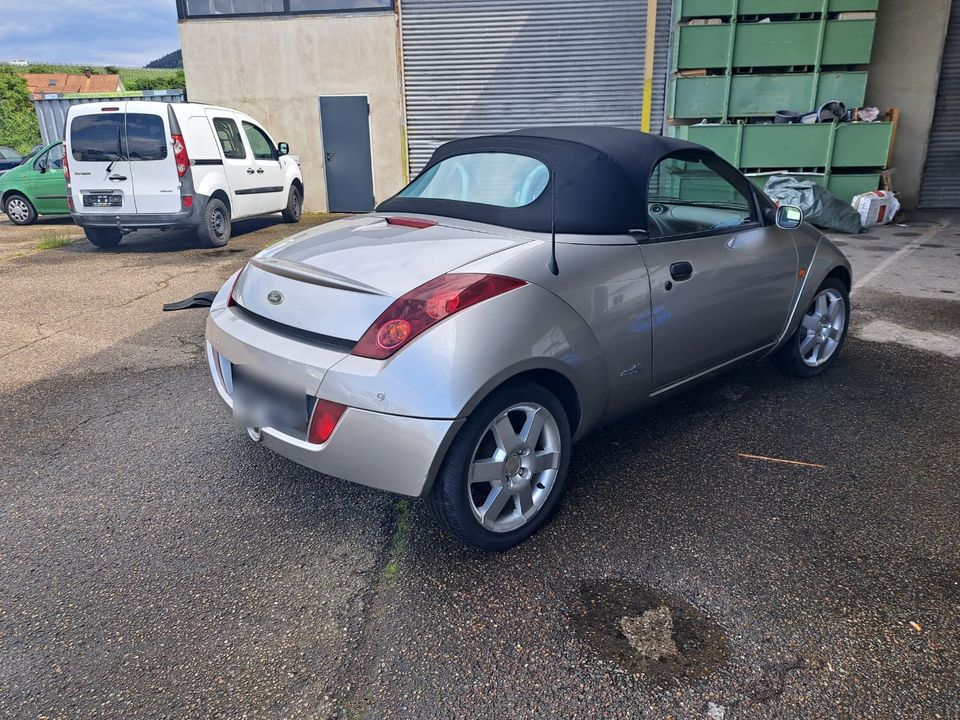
448	370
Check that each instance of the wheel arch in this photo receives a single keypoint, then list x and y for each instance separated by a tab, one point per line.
14	191
223	197
842	274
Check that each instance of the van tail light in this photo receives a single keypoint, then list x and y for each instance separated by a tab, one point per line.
180	155
425	306
66	163
326	415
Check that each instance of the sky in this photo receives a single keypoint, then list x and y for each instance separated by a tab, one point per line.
95	32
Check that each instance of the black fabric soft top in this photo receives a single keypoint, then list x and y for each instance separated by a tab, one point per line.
601	175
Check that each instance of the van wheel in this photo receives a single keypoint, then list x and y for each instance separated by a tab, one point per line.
215	226
103	237
20	210
294	209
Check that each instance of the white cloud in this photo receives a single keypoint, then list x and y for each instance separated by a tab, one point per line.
98	32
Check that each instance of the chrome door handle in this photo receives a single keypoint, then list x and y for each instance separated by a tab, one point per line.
249	171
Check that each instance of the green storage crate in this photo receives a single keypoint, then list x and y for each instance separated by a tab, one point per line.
725	8
763	95
826	145
774	44
845	187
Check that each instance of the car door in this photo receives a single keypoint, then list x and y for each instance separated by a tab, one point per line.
270	196
238	166
47	185
721	278
153	166
100	177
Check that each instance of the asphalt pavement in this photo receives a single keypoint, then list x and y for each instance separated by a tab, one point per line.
155	563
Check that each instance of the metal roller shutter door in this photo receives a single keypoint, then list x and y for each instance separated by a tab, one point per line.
474	67
940	187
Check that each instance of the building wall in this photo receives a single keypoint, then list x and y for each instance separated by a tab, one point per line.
276	68
904	73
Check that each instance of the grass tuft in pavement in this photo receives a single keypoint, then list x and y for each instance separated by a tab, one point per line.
53	240
398	540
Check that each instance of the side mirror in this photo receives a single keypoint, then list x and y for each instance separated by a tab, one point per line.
42	166
789	217
283	148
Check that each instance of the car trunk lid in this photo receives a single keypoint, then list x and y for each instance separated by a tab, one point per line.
335	280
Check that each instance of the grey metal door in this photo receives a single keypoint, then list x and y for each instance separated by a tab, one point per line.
940	187
345	130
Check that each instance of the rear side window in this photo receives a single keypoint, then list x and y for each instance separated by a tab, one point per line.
95	138
229	136
118	136
259	142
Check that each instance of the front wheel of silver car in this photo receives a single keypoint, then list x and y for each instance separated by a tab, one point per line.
506	469
817	342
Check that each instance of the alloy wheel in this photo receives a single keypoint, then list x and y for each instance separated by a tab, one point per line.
18	210
514	467
823	327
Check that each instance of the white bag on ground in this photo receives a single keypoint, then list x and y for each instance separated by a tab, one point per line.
876	208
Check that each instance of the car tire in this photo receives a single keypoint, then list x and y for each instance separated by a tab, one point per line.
519	438
103	237
294	209
19	210
818	340
215	225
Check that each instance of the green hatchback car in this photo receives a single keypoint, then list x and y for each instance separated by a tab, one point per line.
36	187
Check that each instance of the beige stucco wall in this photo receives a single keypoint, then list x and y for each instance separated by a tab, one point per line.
275	69
904	73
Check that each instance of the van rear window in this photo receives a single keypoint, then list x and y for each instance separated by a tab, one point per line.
118	136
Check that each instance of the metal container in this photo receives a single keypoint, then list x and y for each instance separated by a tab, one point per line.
52	108
763	95
775	44
770	146
726	8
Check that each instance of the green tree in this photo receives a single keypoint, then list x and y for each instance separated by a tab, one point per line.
18	121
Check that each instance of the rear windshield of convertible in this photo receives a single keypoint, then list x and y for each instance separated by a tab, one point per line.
489	178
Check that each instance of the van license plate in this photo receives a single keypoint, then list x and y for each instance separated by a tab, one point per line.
102	200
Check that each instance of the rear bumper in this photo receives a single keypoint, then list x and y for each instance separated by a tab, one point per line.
187	218
390	452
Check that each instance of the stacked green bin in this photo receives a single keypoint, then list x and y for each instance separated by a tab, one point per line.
743	60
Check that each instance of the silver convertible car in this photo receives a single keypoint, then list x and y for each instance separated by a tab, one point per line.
523	290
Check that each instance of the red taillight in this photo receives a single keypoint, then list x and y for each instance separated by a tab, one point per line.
425	306
180	155
188	201
230	301
66	164
326	415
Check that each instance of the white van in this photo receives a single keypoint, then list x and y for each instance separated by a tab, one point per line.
137	164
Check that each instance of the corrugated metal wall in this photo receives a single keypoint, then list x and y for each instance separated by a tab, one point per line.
52	108
473	67
940	186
